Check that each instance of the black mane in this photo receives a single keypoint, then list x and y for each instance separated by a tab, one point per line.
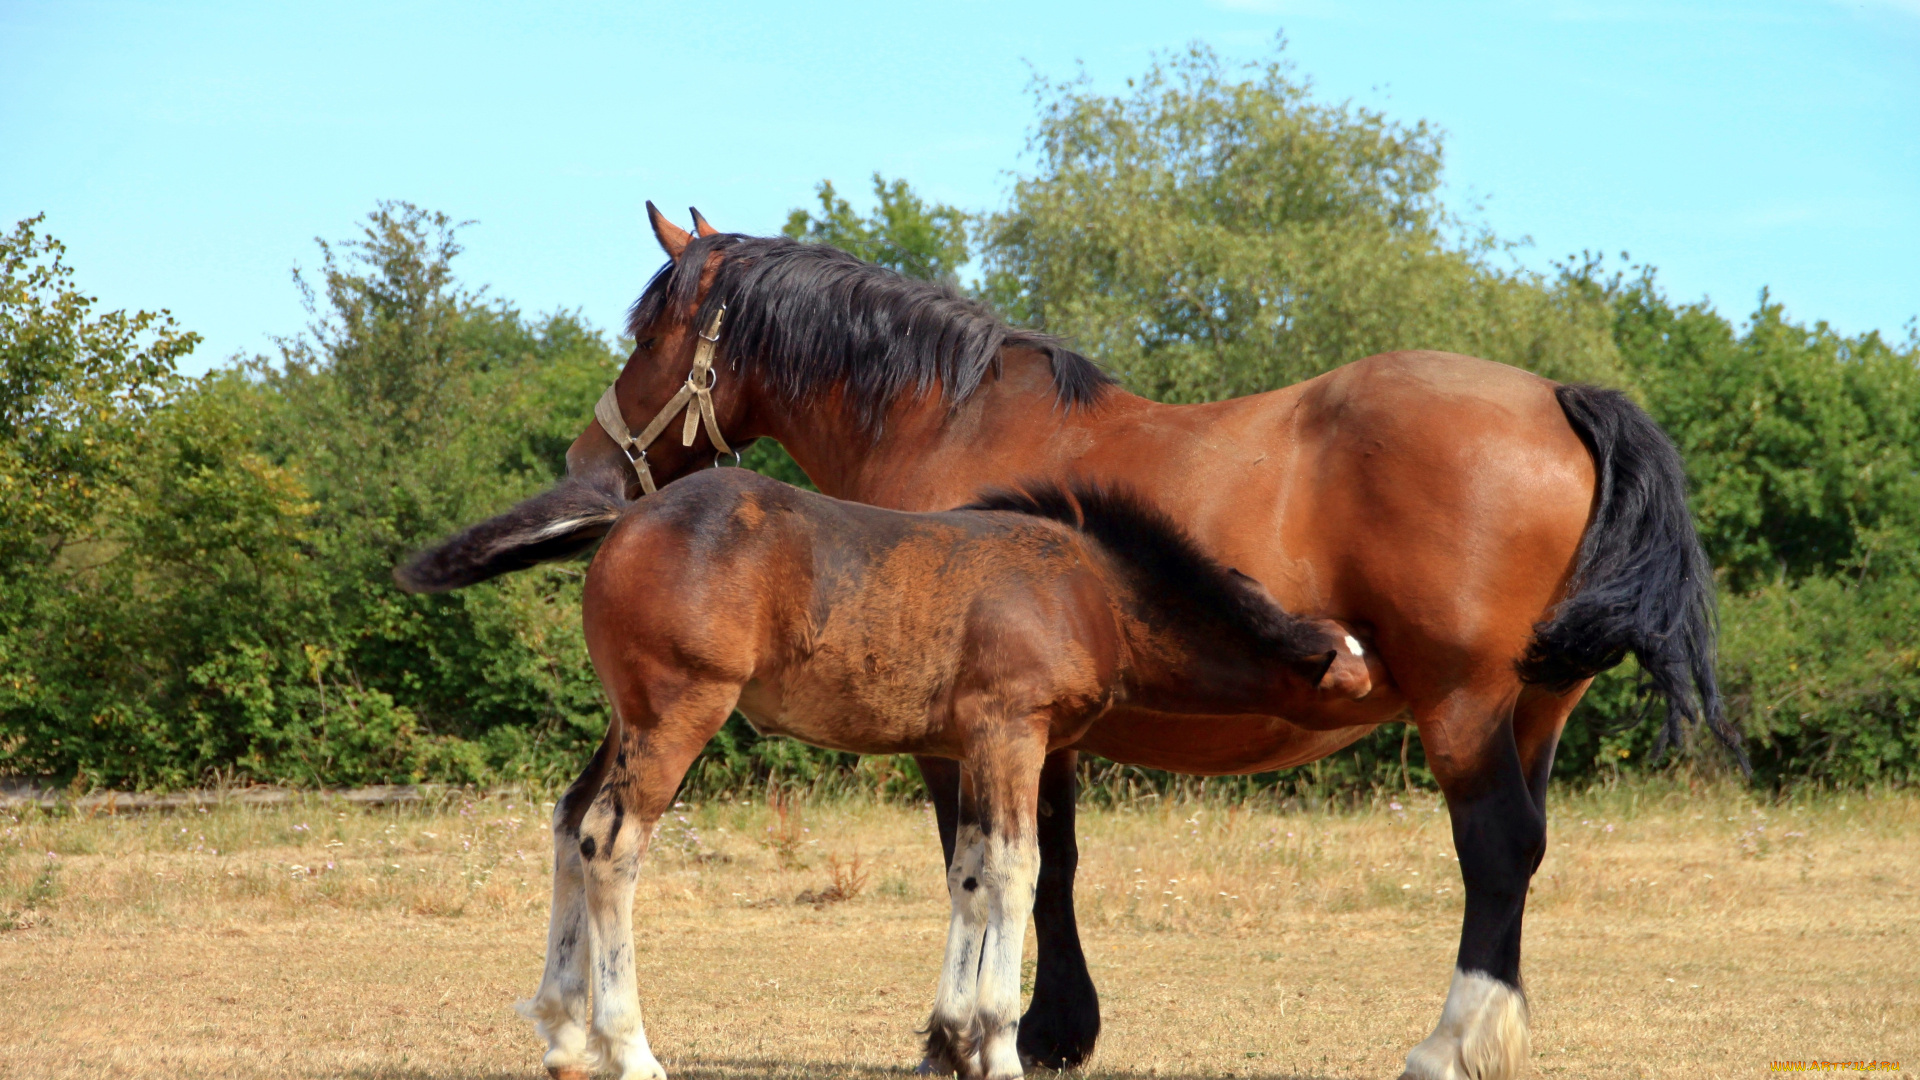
1179	576
809	317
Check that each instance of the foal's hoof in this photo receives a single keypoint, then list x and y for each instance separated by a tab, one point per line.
570	1072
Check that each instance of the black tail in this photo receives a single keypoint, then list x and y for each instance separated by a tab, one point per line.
1642	583
561	521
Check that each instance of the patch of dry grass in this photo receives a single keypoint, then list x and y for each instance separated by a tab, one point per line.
1671	932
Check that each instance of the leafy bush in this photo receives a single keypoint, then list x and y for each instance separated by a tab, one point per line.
221	604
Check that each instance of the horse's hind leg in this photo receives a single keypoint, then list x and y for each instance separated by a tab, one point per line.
1500	833
560	1008
649	760
1063	1021
942	777
976	1015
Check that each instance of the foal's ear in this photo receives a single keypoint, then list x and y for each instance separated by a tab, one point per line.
1346	676
1349	670
673	239
700	225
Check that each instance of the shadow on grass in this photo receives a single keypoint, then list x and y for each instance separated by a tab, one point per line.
723	1068
423	1073
707	1068
710	1068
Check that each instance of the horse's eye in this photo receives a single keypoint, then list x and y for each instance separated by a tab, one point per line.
647	345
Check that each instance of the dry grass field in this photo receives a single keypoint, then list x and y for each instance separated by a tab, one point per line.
1671	933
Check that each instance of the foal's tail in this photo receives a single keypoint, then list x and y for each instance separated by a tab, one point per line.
560	522
1642	583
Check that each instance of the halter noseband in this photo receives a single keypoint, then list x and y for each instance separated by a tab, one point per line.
696	394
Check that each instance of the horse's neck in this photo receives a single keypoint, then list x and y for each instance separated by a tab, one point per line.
931	456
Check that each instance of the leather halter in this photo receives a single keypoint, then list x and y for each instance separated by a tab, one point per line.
696	394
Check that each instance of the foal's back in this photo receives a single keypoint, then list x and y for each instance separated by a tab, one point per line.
852	627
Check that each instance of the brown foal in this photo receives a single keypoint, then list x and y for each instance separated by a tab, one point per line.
990	637
1493	540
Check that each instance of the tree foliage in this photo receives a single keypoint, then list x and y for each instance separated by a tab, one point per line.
76	389
238	618
1801	442
904	232
1801	447
1208	236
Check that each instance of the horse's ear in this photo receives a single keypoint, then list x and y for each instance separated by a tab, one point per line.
673	239
700	225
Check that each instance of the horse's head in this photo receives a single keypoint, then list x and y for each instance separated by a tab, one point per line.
654	425
663	418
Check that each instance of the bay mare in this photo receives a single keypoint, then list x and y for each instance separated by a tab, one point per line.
1493	538
990	637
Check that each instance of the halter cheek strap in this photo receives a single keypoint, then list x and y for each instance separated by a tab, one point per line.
696	394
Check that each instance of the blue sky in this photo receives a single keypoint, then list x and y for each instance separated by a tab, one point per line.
189	153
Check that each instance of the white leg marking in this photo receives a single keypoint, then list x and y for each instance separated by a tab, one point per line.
956	1002
978	1004
1482	1033
1012	866
618	1034
559	1008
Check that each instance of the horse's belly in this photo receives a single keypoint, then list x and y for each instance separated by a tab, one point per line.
844	710
1211	745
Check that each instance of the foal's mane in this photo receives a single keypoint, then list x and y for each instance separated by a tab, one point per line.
1169	567
809	317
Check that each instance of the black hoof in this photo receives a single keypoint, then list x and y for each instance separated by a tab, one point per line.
1058	1042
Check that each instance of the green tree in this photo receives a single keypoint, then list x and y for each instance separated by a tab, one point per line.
1801	447
76	387
78	393
1208	235
413	407
1802	444
904	232
236	614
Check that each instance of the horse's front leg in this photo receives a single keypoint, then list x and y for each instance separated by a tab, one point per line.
1500	835
996	861
1063	1020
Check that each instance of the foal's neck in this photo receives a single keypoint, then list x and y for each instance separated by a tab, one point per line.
929	455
